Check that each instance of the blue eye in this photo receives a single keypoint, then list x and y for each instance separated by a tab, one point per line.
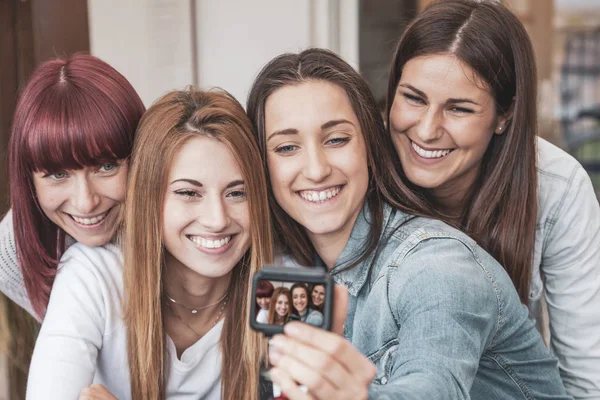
338	140
108	167
57	176
288	148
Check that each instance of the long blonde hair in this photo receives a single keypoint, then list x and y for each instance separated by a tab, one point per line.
170	121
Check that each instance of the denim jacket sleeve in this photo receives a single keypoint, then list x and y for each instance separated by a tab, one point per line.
447	310
571	269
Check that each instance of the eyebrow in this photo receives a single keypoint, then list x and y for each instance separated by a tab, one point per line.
326	125
198	184
451	100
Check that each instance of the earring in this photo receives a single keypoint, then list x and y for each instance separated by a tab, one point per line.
500	129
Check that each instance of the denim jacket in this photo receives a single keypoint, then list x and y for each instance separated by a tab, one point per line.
566	268
440	318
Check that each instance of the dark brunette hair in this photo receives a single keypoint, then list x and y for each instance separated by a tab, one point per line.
384	183
500	212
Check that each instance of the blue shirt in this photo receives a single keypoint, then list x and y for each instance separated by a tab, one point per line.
440	318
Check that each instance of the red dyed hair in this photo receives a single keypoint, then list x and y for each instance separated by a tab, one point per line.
73	113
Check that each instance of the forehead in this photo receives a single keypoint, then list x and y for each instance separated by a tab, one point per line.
444	75
206	160
306	106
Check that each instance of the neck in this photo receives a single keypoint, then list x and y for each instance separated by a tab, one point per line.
191	289
329	246
452	196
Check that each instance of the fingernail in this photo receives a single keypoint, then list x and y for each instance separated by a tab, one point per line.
291	329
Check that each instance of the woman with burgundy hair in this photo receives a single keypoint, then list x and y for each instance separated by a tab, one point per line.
71	138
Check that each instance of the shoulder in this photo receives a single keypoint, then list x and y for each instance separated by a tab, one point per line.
436	259
562	183
557	169
102	262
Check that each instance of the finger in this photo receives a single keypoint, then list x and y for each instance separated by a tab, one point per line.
335	346
340	309
288	386
317	361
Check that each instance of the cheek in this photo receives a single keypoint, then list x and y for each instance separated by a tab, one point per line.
281	172
402	116
51	198
470	133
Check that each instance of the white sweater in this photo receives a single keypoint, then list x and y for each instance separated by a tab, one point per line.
83	338
11	278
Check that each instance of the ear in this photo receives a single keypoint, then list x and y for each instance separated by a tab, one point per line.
504	119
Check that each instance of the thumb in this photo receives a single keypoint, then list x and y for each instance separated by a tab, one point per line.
340	308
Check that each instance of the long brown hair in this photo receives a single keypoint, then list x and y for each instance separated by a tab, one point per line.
171	121
384	183
278	292
500	213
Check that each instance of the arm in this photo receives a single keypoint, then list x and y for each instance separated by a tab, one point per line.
571	269
11	278
65	355
447	311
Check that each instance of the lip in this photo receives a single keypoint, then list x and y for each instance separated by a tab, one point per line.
427	161
325	202
107	214
214	251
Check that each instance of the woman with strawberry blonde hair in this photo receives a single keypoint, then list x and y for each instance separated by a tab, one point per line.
176	300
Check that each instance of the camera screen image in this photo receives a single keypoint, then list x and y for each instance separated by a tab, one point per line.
279	302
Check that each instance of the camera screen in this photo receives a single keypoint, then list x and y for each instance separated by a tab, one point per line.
278	302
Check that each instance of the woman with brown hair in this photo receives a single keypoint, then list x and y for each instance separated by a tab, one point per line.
429	313
196	227
281	306
462	101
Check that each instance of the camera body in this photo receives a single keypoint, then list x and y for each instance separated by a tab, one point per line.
287	278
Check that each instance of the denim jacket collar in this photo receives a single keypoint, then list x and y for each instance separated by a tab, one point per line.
355	278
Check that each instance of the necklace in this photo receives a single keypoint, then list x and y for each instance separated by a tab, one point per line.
190	327
195	310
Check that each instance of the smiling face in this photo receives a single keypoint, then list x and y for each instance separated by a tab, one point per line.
263	302
86	202
206	223
282	306
442	120
318	295
300	299
316	156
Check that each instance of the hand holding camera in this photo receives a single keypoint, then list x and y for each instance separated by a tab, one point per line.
309	362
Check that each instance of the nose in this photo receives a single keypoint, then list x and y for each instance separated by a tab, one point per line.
317	166
430	127
85	197
215	216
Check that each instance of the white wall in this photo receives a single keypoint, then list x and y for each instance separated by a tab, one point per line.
148	41
152	43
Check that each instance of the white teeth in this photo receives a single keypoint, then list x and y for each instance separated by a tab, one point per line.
428	153
317	197
90	221
210	244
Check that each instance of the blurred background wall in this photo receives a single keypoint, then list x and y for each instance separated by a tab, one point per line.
161	45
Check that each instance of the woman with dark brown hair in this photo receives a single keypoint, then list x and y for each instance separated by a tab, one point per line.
462	114
430	314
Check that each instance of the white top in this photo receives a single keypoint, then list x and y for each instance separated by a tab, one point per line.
262	317
11	278
83	338
566	268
